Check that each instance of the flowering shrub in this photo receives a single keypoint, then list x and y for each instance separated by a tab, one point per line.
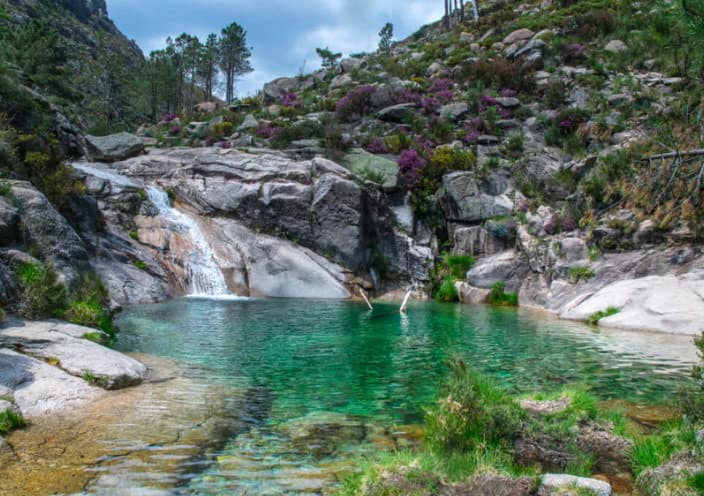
508	93
471	137
175	131
430	105
355	104
574	53
444	96
440	85
423	145
266	130
170	117
377	147
408	96
411	166
569	224
290	100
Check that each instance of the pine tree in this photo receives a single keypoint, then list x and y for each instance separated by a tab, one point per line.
234	57
208	65
329	59
386	34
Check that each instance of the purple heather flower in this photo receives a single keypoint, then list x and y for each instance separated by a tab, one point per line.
508	93
569	224
430	105
505	113
171	116
290	100
444	95
411	164
441	85
174	131
265	130
489	101
472	136
377	147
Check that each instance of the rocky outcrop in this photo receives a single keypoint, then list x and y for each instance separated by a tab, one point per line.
655	303
48	234
260	265
65	346
114	147
315	204
470	198
39	388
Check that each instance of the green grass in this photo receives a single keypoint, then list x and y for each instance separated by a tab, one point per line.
96	337
601	314
141	265
10	420
581	273
42	295
93	379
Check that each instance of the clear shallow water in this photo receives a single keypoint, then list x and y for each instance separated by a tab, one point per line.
329	379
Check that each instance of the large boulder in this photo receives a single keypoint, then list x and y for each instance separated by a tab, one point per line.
65	345
114	147
509	267
470	198
655	303
9	221
260	265
399	114
51	237
274	90
336	219
363	164
39	388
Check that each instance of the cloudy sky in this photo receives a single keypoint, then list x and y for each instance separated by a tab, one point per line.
283	33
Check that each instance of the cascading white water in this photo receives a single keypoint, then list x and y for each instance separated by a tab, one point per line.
202	273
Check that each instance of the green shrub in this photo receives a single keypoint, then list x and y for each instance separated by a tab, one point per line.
302	130
42	295
597	316
499	298
458	265
447	291
472	412
10	420
89	305
5	188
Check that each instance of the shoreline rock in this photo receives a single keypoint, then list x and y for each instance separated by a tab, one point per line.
49	366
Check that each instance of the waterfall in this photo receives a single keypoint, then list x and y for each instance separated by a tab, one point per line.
202	273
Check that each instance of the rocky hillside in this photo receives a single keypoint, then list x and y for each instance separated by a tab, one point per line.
556	142
547	156
71	57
